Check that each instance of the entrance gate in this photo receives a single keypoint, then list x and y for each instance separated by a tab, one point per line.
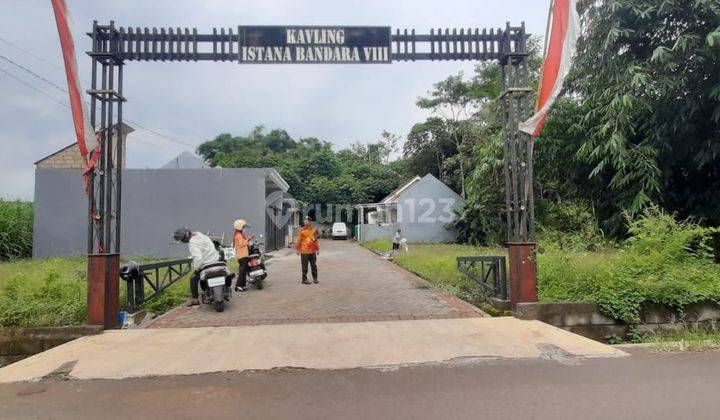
113	46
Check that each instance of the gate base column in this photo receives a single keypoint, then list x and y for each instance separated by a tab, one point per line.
523	272
103	302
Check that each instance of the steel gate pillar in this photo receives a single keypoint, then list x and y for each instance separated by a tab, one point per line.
104	185
103	290
518	167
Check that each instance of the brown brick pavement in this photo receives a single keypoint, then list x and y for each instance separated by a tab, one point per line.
355	286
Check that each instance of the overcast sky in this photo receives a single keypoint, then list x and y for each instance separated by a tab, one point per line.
193	102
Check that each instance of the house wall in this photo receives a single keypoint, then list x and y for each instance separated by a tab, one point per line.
155	203
373	232
69	158
424	210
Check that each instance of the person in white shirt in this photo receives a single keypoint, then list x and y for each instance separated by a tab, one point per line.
396	241
202	251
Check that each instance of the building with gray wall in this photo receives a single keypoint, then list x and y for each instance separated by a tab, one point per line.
422	208
155	203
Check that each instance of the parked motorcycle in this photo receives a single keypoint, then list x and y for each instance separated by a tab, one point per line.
216	280
257	273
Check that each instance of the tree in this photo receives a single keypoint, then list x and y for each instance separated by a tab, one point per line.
427	146
452	101
315	173
387	145
647	75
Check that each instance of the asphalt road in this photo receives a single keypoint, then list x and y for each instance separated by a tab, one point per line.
644	386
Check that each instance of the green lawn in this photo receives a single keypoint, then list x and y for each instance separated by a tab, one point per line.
436	263
665	266
53	291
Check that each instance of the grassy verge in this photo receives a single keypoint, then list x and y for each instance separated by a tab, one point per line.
664	261
53	292
436	263
685	340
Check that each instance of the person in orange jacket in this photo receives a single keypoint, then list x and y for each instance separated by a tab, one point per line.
240	243
308	247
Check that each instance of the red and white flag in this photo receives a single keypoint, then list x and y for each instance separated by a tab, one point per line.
560	41
87	141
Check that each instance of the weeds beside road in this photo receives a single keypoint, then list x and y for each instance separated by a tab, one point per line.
53	292
663	261
16	229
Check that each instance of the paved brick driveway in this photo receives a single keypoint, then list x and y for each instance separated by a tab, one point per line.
355	285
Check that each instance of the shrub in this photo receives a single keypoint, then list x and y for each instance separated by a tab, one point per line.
16	223
55	293
568	225
663	261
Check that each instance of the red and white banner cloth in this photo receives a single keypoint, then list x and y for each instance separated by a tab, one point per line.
87	141
560	42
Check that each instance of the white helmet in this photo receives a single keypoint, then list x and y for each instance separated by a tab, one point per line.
239	224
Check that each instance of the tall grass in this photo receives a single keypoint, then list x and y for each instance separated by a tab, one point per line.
664	261
43	292
16	225
437	264
53	292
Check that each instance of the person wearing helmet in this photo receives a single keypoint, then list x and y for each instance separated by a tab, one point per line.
240	243
202	251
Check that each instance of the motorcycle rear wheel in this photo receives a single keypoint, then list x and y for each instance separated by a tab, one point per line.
219	298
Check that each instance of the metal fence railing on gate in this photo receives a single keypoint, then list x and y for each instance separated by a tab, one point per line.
158	276
488	272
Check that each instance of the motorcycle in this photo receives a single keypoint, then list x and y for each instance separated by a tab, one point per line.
257	273
216	280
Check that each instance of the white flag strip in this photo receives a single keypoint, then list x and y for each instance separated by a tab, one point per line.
561	43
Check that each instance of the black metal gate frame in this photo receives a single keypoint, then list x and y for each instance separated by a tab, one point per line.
486	271
112	46
159	276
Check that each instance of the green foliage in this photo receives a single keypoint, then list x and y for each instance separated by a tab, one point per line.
171	297
437	264
647	76
684	340
53	292
569	225
378	245
16	229
663	261
316	174
43	293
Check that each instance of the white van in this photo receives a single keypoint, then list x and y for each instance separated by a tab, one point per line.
339	230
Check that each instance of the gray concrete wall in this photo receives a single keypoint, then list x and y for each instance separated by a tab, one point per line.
155	203
373	232
586	319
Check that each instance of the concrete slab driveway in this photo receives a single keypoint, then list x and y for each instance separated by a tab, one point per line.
355	285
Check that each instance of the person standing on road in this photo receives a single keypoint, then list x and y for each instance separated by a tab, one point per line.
396	241
308	247
240	243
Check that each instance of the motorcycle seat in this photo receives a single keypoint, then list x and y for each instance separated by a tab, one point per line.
217	265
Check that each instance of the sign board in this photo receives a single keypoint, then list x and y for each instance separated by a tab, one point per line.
314	44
